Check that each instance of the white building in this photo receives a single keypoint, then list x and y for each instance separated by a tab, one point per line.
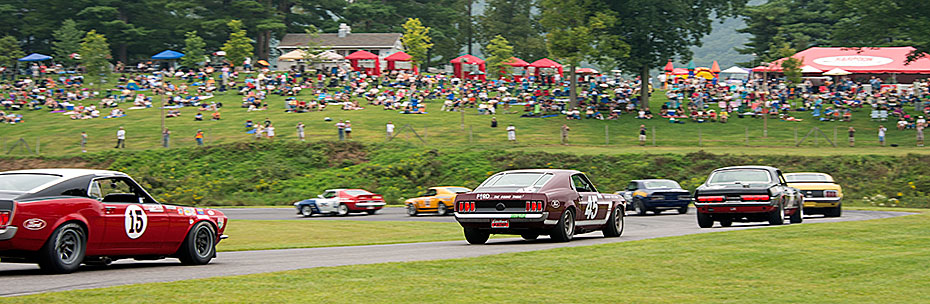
345	42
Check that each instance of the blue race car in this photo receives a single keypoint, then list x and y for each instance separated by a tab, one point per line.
656	195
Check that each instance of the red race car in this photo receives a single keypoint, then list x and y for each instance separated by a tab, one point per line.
61	218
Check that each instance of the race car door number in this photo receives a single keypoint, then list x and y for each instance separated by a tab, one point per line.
500	224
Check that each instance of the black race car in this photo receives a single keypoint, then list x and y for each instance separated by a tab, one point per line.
747	194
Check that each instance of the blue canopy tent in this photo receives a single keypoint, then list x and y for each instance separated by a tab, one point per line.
167	55
35	57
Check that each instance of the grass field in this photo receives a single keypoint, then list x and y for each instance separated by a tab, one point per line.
60	135
258	235
849	262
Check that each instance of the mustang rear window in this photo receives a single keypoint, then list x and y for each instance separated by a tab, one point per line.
24	182
742	176
517	180
807	178
661	185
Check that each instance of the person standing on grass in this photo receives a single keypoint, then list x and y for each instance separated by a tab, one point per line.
920	134
881	134
511	133
121	138
165	137
199	138
565	130
270	131
341	128
493	122
300	131
642	135
83	142
390	130
852	137
348	129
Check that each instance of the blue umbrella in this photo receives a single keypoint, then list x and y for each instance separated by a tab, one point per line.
167	55
35	57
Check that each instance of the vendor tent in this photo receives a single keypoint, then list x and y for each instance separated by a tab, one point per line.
400	61
810	69
837	72
476	72
366	62
329	56
867	60
35	57
517	63
167	55
586	71
734	70
293	55
546	63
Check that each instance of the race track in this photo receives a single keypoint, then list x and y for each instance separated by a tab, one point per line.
21	279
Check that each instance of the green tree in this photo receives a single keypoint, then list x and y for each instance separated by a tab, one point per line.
657	31
67	41
791	66
95	53
499	52
194	52
239	46
800	23
416	40
312	46
872	23
579	30
9	51
514	20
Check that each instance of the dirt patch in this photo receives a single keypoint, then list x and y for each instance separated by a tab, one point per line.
343	154
7	164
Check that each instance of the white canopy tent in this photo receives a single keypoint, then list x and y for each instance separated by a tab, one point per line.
734	70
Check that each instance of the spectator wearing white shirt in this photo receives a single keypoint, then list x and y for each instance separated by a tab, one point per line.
121	138
389	128
511	133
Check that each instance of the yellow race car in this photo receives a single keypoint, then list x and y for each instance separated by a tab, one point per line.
436	199
822	195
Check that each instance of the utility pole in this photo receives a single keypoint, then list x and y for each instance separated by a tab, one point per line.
468	9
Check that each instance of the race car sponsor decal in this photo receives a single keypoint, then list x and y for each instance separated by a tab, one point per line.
219	223
202	217
34	224
135	221
485	196
188	211
210	212
180	211
191	221
155	208
199	211
171	207
555	204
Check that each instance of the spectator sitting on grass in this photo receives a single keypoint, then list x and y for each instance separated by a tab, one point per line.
198	117
216	115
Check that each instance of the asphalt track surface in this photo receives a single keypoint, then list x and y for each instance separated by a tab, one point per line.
22	279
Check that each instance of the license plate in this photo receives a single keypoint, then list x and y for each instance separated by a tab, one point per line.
500	224
371	207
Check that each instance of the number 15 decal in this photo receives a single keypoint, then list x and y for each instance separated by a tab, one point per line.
136	221
590	211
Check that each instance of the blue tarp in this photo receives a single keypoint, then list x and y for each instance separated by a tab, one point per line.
35	57
168	54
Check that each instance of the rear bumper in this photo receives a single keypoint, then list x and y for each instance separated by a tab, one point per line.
517	221
663	204
821	202
8	233
735	208
369	206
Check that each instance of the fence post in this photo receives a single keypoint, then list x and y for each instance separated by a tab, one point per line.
795	135
747	136
654	136
700	138
606	135
425	134
462	110
38	144
469	135
834	134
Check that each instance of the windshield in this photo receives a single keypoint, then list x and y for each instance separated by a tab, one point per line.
808	177
458	190
743	176
24	182
357	192
520	180
661	184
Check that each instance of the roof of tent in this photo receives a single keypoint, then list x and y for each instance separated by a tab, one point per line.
168	54
329	55
516	62
858	60
399	56
545	63
735	70
297	54
362	55
469	59
35	57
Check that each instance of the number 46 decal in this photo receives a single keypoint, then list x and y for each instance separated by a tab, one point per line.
590	211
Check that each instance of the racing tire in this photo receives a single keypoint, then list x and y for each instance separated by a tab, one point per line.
639	208
530	236
726	222
411	210
614	227
777	216
834	212
199	246
704	220
798	216
342	210
371	212
564	230
306	211
64	250
683	210
441	209
476	236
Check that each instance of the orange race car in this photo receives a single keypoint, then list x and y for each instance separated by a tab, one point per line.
436	199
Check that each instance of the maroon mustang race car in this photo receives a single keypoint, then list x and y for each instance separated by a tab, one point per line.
61	218
558	203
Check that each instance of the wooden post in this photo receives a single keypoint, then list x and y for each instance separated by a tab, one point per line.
38	143
462	110
469	135
834	133
700	138
747	136
765	125
606	135
653	136
795	135
425	134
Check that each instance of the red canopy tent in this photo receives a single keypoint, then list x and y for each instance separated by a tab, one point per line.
517	63
459	72
365	55
546	63
400	56
878	60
